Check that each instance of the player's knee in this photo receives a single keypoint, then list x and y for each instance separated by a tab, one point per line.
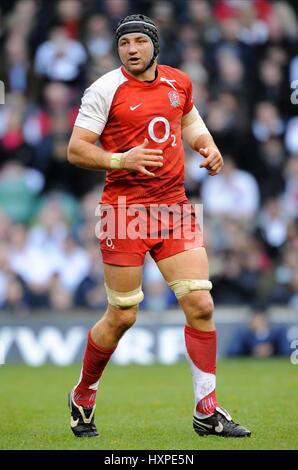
204	306
127	317
124	300
199	306
121	319
125	324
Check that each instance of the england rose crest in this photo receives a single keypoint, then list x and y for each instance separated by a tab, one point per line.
174	98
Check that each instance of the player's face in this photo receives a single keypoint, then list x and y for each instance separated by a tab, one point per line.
135	52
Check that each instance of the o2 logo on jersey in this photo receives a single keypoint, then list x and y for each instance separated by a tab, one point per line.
167	131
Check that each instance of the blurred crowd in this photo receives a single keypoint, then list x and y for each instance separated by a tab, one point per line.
242	57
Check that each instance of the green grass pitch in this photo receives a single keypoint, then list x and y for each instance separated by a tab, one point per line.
150	407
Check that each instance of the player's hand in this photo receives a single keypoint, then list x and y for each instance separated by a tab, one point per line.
214	161
140	157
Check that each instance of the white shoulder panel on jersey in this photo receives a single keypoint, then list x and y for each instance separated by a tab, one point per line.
97	100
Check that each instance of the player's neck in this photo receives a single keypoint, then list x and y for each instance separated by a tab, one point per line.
147	76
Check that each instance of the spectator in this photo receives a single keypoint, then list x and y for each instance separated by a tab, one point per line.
232	193
285	276
240	275
15	299
268	167
115	10
59	298
273	224
291	139
19	188
60	58
17	70
73	264
98	37
260	338
35	265
267	122
290	195
70	15
11	125
50	229
20	21
91	292
293	300
200	15
12	291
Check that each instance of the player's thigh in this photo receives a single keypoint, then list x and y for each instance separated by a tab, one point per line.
191	264
122	278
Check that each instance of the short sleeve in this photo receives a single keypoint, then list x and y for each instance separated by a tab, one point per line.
189	96
93	113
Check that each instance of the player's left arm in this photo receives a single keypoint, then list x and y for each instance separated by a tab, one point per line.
196	134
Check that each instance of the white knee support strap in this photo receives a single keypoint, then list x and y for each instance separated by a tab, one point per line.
182	287
124	299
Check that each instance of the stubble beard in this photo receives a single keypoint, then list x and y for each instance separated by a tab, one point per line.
137	72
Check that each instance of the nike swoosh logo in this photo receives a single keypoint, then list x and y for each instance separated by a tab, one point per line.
219	428
204	424
132	108
73	422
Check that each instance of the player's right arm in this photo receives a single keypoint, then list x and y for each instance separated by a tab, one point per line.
90	124
83	152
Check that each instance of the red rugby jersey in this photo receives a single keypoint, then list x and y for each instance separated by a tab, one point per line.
123	111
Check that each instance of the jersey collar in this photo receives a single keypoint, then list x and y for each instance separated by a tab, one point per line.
140	83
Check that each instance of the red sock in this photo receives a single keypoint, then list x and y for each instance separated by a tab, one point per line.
201	354
95	359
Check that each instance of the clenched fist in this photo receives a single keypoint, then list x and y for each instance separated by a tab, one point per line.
214	161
